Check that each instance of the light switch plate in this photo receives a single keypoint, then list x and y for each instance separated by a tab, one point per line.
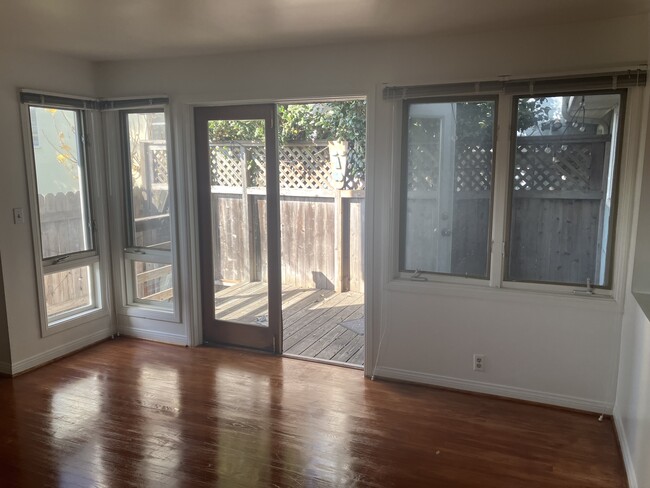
19	216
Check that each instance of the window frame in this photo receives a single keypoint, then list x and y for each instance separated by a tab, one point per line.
615	198
34	128
403	190
92	211
131	252
626	157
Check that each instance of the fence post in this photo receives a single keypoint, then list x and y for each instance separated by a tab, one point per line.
341	241
249	273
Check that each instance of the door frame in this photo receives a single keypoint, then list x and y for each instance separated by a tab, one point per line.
221	332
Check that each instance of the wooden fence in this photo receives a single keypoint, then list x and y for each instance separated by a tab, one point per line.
321	238
321	228
558	212
62	229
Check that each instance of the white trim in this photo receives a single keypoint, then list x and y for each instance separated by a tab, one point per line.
369	233
435	277
5	368
121	256
152	335
92	149
500	189
604	303
188	242
188	245
81	317
547	398
627	455
57	352
500	205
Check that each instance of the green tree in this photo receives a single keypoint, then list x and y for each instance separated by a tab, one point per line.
307	122
475	120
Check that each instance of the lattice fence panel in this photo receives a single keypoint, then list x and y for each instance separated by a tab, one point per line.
302	166
226	165
305	167
423	166
553	167
255	162
473	172
159	164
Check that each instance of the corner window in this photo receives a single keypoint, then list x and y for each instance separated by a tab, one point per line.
69	257
563	189
148	234
446	193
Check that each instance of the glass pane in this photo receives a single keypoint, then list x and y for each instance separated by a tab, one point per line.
67	292
448	187
60	181
238	206
153	282
149	180
563	187
322	162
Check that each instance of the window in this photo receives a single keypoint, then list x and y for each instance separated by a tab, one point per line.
148	234
538	213
69	257
563	189
447	186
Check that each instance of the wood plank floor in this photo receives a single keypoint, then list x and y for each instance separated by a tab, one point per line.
135	413
312	319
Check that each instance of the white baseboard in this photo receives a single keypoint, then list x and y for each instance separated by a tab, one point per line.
627	455
152	335
494	389
57	352
5	368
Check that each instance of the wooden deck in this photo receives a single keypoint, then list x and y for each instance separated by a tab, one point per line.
312	319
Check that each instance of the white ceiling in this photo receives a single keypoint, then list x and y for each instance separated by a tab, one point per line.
131	29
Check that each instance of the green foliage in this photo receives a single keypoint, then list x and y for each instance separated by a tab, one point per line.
531	112
475	120
307	122
236	130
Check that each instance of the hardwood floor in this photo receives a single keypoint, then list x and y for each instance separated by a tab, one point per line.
312	318
135	413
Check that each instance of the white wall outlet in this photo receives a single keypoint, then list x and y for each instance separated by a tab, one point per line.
19	216
479	362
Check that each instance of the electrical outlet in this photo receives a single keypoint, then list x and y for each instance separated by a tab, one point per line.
19	216
479	362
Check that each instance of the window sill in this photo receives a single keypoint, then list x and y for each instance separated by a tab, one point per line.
150	312
74	321
504	294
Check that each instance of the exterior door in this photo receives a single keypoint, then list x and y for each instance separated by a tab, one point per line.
238	197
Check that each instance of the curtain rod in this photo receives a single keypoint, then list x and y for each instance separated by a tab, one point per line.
36	98
598	81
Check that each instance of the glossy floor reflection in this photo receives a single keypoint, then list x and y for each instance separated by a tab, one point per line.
135	413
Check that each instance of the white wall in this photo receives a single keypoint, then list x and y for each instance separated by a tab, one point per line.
5	352
47	72
560	350
632	409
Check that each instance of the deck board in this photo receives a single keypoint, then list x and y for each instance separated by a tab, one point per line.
311	318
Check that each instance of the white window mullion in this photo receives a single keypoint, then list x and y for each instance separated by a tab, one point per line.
501	190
